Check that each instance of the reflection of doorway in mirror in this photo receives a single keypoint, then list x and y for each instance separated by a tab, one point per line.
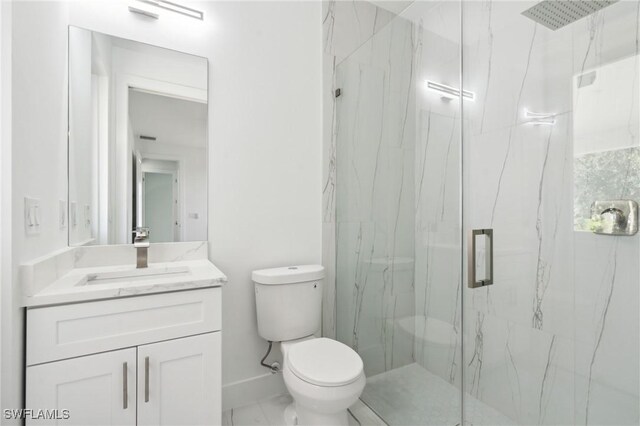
160	201
169	133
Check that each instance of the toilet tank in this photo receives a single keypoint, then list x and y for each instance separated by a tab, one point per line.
288	301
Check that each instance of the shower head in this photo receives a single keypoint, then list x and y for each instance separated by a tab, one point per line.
555	14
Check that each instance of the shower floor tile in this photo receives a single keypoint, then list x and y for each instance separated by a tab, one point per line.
411	396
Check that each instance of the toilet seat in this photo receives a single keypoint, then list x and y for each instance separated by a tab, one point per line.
324	362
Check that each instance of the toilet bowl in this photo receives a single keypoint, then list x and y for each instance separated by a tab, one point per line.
324	377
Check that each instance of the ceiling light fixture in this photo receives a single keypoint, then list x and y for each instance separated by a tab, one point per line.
452	92
177	8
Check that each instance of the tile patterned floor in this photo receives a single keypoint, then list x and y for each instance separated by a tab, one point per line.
270	412
405	396
411	395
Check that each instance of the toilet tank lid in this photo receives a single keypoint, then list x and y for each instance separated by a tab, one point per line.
288	274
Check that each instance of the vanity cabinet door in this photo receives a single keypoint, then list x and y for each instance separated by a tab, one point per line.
179	381
95	389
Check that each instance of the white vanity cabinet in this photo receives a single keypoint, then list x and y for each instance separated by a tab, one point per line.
96	389
179	380
145	360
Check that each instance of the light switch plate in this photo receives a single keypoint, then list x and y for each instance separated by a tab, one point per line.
31	216
62	214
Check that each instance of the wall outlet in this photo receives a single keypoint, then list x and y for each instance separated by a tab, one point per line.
31	216
62	214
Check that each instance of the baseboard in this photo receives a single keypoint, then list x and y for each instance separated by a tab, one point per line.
249	391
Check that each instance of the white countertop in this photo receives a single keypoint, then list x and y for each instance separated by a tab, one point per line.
73	286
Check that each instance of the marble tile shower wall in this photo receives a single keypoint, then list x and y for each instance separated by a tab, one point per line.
346	26
556	339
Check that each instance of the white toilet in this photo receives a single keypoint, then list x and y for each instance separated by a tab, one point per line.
324	376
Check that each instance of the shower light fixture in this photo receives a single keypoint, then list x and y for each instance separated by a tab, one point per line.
540	118
177	8
450	92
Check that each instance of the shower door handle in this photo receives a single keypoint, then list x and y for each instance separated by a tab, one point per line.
487	279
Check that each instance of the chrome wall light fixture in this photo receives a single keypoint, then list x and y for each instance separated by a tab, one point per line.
166	5
449	92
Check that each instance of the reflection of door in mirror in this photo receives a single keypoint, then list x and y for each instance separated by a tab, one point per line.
130	105
158	204
159	200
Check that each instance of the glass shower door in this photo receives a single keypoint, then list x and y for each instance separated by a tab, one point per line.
551	167
398	275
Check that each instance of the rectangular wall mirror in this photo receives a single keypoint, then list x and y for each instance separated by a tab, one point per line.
137	141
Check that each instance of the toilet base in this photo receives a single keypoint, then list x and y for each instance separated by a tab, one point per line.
290	416
294	415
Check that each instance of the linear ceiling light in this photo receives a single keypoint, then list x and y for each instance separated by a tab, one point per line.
448	90
174	7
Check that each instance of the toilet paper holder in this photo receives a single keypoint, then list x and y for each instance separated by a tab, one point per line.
614	217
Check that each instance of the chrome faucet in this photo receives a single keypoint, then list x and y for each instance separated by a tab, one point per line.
141	243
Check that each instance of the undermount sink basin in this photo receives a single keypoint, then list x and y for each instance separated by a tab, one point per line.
134	275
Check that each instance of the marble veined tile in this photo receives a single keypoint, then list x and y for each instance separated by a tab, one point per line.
607	340
348	24
329	290
512	66
521	371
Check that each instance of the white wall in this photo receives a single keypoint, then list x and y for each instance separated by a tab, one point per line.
38	157
266	157
265	139
6	301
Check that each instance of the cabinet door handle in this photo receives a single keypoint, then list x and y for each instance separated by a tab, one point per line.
146	379
125	387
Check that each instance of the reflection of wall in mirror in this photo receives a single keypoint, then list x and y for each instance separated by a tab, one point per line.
153	70
175	130
83	145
